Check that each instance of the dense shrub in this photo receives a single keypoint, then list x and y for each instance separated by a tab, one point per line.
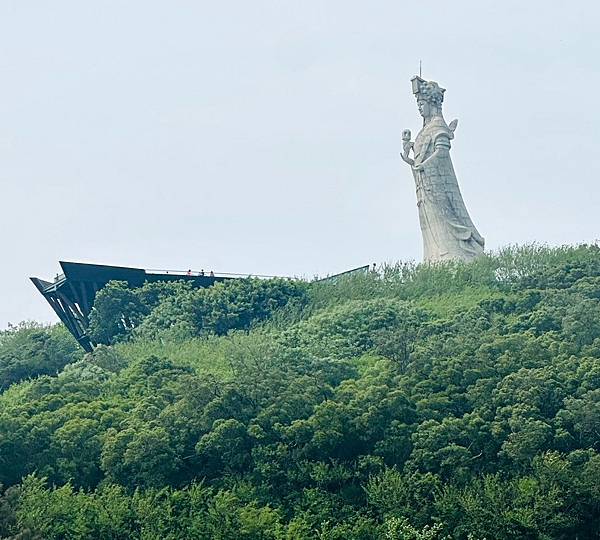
29	350
230	305
423	402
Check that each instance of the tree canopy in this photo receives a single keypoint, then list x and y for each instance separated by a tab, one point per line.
433	402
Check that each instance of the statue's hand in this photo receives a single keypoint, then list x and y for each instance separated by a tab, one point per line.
406	159
418	167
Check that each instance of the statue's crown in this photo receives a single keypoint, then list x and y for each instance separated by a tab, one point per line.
428	90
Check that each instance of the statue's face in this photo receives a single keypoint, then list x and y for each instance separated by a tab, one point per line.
424	108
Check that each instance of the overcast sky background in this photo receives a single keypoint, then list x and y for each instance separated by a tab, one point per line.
264	136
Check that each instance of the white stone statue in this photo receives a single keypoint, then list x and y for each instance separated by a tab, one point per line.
447	229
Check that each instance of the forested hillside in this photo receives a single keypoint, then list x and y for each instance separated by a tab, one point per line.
418	402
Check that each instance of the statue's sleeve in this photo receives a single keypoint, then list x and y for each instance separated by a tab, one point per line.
441	140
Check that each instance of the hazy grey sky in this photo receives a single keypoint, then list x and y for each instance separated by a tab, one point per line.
263	136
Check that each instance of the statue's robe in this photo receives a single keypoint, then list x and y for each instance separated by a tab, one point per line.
448	232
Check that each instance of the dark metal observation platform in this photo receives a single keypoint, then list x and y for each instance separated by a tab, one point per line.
72	293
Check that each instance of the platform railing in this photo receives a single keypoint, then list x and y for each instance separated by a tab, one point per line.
210	273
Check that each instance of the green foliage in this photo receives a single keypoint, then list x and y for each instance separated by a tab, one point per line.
29	350
420	402
401	529
354	328
117	310
181	311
